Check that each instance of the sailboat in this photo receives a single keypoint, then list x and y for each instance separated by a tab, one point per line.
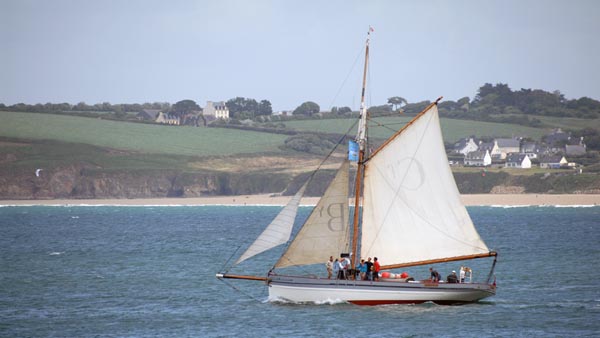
407	211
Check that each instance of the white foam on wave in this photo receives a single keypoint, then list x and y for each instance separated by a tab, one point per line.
274	299
542	206
56	253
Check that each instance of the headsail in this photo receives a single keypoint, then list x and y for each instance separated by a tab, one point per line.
325	232
279	231
412	210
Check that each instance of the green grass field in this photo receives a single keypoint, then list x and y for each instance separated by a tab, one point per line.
569	123
51	154
452	129
145	138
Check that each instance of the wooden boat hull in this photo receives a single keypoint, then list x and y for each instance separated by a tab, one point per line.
315	290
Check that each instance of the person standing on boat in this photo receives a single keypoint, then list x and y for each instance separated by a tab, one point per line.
376	268
362	268
462	274
336	269
346	267
435	276
344	263
341	272
369	269
452	278
329	266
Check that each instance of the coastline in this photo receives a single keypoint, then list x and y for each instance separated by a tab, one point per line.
468	200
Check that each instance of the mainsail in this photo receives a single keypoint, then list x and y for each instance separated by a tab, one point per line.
411	209
279	231
326	230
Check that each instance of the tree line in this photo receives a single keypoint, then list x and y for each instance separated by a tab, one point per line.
495	103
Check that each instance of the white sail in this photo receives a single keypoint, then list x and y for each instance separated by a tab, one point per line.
412	210
279	231
325	232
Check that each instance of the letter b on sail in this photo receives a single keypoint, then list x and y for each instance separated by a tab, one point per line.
334	213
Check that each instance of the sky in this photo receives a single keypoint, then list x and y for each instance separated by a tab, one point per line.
289	52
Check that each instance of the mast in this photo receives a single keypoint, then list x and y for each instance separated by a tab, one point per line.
361	139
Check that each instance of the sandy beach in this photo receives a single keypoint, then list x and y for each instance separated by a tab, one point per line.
469	200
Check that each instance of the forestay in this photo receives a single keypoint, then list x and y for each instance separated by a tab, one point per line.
326	230
411	209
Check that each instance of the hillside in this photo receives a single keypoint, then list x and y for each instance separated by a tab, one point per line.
452	129
137	137
94	158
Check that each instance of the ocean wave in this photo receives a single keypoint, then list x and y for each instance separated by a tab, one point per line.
541	206
149	205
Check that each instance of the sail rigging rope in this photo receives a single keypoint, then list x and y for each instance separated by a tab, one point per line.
240	290
347	77
229	260
384	125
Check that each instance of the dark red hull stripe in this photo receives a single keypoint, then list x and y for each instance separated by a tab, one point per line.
388	302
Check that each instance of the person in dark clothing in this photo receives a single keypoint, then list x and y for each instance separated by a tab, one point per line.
435	276
369	269
452	278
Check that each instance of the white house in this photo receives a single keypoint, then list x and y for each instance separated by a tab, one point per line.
504	146
465	146
553	162
516	160
167	119
217	109
478	159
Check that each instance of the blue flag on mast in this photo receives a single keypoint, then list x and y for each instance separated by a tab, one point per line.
352	151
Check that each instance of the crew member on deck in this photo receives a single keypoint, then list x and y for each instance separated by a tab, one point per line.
329	266
435	276
369	269
362	267
452	278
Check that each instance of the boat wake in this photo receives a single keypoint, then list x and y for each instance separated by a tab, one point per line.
279	300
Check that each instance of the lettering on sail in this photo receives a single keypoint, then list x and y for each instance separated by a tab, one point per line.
408	172
335	216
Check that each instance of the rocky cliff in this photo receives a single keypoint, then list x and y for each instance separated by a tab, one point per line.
84	182
78	182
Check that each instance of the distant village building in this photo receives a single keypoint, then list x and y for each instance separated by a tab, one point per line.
557	139
531	149
478	159
148	114
167	119
217	109
504	146
465	146
483	146
575	150
517	160
553	162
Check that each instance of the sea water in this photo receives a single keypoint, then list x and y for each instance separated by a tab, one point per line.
107	271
